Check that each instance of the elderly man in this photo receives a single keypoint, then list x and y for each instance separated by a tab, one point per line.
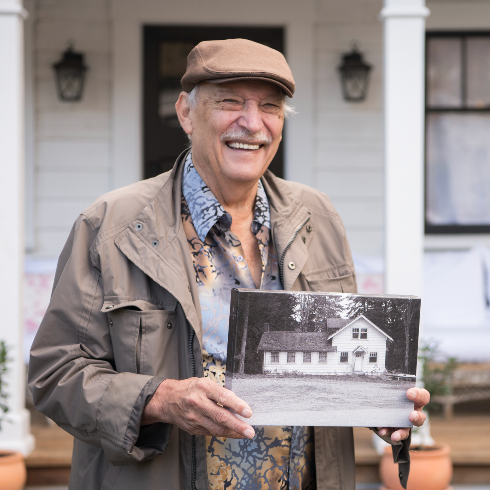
129	357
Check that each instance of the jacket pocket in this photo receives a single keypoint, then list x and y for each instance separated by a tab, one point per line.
333	280
143	342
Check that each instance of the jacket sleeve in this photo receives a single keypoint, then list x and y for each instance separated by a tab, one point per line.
72	374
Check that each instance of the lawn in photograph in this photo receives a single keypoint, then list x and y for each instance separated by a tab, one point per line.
323	359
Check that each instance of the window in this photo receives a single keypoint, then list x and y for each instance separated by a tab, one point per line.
306	356
291	357
275	356
344	357
457	193
373	357
355	333
363	333
322	357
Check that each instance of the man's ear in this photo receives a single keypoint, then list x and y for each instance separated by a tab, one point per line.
183	111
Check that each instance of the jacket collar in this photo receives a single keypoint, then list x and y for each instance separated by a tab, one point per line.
159	246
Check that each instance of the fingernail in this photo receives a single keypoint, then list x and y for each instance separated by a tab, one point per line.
247	413
382	432
415	417
249	433
412	393
395	437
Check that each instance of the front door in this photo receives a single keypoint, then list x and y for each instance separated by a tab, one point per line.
165	57
358	362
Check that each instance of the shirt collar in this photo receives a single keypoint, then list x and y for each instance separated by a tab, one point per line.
206	210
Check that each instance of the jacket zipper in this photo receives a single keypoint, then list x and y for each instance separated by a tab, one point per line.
193	438
283	256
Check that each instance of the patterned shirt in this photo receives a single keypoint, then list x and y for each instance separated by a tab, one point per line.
278	458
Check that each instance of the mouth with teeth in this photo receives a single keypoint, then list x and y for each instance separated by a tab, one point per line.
242	146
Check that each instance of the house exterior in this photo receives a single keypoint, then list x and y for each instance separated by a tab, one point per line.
359	347
368	156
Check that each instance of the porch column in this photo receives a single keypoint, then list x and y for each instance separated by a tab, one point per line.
15	433
404	60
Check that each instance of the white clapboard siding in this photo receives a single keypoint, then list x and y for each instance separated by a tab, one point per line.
376	342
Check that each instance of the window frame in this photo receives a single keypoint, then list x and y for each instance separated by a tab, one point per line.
431	229
320	360
289	356
358	332
308	354
363	331
273	355
346	357
371	357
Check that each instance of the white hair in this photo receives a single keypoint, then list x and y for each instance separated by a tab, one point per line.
192	99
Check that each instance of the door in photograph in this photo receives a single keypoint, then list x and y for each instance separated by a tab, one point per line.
358	362
165	57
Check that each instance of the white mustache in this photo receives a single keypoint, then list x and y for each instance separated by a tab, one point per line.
262	137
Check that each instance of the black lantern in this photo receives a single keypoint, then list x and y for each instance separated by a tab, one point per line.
355	76
70	74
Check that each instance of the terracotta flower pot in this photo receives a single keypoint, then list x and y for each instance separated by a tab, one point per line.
12	471
430	469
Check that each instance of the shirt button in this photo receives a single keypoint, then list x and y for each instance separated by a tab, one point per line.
308	228
155	243
169	325
109	307
138	227
111	323
292	266
239	258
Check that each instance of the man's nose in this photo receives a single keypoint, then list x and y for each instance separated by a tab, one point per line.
251	118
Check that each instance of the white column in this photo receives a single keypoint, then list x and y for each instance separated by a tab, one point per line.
15	433
404	59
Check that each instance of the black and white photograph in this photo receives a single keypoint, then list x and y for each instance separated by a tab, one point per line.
323	359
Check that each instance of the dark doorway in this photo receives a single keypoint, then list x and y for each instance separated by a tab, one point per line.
165	56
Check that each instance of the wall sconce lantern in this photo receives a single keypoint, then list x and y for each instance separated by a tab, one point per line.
70	74
354	72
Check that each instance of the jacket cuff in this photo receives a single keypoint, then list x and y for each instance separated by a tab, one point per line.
119	417
401	455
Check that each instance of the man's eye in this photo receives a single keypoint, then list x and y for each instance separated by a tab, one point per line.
233	101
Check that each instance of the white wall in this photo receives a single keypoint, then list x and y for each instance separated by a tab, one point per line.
72	141
376	342
349	136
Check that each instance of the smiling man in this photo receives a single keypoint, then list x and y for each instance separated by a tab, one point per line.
130	355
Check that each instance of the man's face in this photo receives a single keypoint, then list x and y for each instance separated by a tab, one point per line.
236	128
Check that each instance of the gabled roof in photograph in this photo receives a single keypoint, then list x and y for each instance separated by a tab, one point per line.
295	341
357	319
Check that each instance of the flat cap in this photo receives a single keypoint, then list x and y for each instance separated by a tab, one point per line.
232	59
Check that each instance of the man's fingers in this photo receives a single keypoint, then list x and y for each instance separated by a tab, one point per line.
228	399
400	435
230	422
420	397
417	417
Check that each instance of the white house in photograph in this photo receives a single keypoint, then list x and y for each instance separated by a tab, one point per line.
356	348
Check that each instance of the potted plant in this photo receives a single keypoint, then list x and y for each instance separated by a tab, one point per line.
430	464
12	466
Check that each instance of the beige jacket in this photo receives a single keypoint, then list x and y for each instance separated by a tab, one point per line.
125	314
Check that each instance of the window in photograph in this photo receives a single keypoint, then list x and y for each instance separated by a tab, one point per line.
457	193
291	356
344	357
275	356
306	356
373	357
363	333
355	332
322	357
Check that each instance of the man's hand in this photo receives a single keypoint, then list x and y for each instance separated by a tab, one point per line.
199	406
420	398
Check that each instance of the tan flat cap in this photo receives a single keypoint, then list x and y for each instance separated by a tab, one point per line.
232	59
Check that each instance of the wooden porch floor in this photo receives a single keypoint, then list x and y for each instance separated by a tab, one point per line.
468	436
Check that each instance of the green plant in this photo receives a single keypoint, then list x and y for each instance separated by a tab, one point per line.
437	373
3	371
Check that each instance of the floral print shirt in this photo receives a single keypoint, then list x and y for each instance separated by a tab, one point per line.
278	458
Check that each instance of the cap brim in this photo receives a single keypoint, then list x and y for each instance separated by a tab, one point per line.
285	89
